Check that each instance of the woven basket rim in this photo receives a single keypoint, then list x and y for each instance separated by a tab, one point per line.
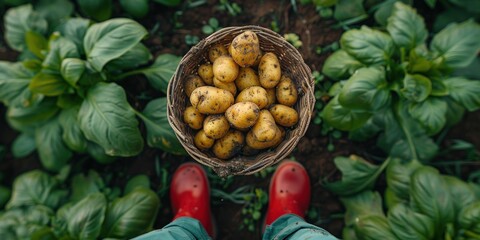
242	165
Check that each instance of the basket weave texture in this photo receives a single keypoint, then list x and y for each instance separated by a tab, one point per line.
291	63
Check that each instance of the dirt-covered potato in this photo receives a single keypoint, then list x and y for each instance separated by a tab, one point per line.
202	141
245	49
193	118
271	96
255	94
216	126
211	100
216	51
225	69
229	145
265	128
242	115
229	86
284	115
286	91
254	143
269	70
247	77
191	83
205	71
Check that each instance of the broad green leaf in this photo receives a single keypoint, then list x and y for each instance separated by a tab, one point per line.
404	138
431	3
87	216
36	188
131	215
357	175
384	11
59	49
50	146
24	118
464	91
360	205
107	119
72	134
83	185
457	43
54	11
469	217
398	176
159	132
136	8
33	65
14	80
99	10
169	3
66	101
427	189
406	27
340	65
439	88
72	70
416	87
431	114
18	21
461	191
136	56
23	145
74	29
98	153
36	43
371	128
371	47
5	194
137	181
449	15
373	228
418	63
407	224
111	39
454	113
366	89
348	9
48	84
343	118
468	5
161	71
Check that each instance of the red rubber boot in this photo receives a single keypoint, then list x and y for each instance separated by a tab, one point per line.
289	191
190	195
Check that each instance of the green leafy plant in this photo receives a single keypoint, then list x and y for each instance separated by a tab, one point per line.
391	84
233	9
421	204
211	27
43	207
191	39
63	94
293	39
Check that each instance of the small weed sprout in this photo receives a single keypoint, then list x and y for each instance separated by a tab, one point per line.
191	39
294	39
211	27
233	9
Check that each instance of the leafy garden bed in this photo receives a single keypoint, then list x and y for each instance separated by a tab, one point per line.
393	148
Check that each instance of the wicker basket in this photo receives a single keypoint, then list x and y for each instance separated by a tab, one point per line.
292	63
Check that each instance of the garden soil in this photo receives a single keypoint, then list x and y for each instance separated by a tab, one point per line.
311	151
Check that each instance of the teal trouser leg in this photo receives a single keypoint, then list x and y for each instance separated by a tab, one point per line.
292	227
183	228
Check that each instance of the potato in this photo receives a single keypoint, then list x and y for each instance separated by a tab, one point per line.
255	94
216	126
286	91
229	145
247	77
269	70
225	69
242	115
254	143
211	100
271	96
216	51
193	118
265	128
284	115
245	49
191	83
229	86
202	141
205	71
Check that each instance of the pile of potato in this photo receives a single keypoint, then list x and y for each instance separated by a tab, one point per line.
245	123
